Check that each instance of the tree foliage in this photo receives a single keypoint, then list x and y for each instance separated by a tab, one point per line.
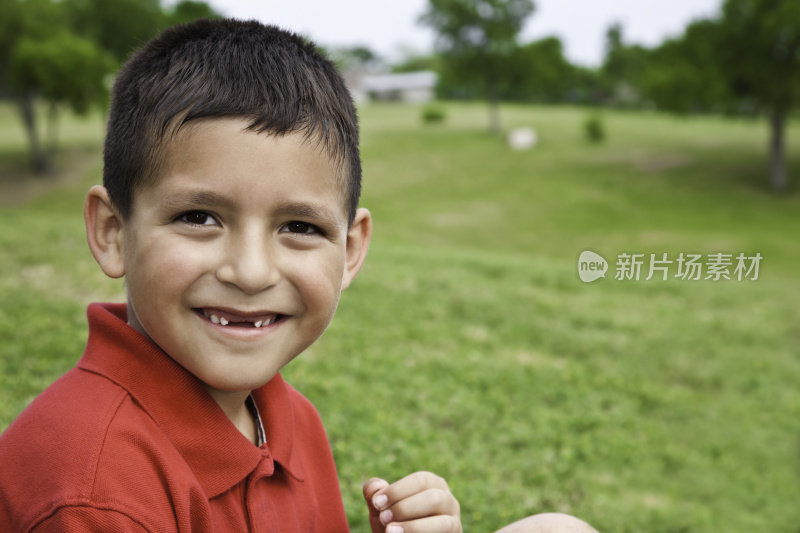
622	69
540	72
355	58
747	59
684	75
189	10
61	68
761	58
478	41
118	26
61	53
761	62
416	63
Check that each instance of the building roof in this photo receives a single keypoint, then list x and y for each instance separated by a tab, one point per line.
424	79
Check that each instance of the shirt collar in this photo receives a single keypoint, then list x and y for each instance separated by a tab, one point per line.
253	408
218	454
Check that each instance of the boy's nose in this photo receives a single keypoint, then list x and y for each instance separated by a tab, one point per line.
249	264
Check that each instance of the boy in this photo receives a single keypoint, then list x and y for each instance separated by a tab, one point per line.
230	206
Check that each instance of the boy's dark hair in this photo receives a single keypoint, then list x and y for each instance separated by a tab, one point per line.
275	79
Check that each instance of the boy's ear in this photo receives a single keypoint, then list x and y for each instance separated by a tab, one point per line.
104	231
357	244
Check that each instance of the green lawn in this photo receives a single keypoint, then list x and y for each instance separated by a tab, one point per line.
470	347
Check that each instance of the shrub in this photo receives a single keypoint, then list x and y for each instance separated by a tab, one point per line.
433	114
594	129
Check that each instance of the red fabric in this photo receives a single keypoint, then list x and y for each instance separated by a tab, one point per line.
130	441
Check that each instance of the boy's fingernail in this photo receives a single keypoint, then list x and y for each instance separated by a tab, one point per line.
386	516
379	501
394	528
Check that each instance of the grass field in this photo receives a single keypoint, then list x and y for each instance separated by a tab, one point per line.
470	347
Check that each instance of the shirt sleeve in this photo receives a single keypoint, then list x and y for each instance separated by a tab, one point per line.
83	519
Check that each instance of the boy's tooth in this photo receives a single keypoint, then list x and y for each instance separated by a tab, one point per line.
224	321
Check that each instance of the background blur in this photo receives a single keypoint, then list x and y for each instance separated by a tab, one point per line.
500	140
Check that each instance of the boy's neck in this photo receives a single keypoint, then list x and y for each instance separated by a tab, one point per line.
234	405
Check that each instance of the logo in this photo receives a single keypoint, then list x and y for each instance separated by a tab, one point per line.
591	266
684	266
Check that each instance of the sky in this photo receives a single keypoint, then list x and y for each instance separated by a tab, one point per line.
390	27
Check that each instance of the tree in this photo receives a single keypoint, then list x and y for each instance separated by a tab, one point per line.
356	58
121	26
189	10
60	53
417	62
760	59
684	75
540	72
748	58
40	59
477	39
117	26
61	69
622	69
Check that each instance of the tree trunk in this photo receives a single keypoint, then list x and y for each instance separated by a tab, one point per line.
52	130
777	171
40	161
494	106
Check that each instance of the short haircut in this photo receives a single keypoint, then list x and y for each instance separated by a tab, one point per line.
276	80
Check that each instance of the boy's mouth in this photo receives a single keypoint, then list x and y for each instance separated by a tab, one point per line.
226	318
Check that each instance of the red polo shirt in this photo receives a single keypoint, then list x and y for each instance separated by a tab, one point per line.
130	441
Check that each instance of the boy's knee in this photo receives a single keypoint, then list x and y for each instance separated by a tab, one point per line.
549	523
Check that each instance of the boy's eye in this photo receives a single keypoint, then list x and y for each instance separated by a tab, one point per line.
198	218
300	227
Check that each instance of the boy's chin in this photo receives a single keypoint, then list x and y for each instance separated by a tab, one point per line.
238	386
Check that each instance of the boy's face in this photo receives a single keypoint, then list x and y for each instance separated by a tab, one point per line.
235	258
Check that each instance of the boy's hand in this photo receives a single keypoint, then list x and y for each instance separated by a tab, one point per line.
419	503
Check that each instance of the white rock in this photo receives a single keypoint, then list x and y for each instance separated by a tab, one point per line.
522	138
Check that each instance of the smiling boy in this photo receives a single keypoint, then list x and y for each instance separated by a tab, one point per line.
235	258
230	206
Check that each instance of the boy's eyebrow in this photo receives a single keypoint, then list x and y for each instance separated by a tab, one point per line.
201	198
296	209
307	210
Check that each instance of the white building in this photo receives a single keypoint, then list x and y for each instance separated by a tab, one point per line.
414	87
